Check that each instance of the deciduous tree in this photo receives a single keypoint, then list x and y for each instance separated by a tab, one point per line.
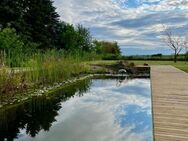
175	42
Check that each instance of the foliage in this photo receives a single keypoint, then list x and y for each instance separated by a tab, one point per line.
110	57
35	19
13	48
157	55
36	49
186	56
9	40
84	38
110	50
43	69
67	37
74	38
180	57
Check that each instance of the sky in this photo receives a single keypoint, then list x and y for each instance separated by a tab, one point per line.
108	111
136	25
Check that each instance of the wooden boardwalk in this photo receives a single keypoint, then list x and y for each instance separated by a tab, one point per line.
170	103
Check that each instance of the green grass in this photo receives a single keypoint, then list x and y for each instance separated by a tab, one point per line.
41	69
180	64
101	62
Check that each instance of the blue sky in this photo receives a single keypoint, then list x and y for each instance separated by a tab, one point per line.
135	24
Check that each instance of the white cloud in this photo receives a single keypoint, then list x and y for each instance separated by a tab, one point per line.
99	15
97	116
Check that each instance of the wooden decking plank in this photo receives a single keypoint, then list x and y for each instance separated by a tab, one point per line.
170	103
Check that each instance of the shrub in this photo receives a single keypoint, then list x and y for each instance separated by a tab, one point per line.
13	48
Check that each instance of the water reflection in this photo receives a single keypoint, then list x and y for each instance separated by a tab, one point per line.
37	114
89	111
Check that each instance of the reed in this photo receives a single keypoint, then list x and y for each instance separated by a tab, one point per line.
22	72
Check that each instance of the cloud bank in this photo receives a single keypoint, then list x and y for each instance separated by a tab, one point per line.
133	23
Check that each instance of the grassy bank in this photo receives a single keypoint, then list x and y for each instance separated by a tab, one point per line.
182	65
42	69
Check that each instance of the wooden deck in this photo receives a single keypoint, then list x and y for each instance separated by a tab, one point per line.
170	103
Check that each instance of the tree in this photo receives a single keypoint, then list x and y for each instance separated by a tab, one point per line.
157	55
13	47
67	37
105	47
84	38
35	19
10	12
186	56
109	50
74	38
43	22
175	42
10	46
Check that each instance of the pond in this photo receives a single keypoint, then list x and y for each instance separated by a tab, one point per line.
91	110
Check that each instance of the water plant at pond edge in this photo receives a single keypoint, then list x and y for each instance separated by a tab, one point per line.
41	70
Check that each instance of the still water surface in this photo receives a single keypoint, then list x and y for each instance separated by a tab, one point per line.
92	110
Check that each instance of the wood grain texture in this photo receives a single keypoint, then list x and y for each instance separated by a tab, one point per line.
170	103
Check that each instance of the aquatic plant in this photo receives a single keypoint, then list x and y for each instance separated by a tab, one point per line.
41	69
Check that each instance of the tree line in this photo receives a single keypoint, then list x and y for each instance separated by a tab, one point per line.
27	25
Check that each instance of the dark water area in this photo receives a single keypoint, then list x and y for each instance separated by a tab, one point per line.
91	110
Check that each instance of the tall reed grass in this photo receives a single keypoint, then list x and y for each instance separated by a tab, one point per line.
22	72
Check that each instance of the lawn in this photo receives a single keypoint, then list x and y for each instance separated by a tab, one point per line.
180	64
102	62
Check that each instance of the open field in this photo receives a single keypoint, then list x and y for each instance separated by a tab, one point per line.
180	64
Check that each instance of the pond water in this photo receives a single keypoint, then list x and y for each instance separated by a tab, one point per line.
91	110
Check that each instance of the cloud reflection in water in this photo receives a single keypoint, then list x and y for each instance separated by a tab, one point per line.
105	113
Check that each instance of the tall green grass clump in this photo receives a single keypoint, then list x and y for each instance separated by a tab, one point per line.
23	67
41	69
54	66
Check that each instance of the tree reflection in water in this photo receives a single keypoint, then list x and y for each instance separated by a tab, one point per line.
37	114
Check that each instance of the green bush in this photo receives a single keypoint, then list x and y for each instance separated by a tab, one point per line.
186	56
111	57
13	48
107	49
